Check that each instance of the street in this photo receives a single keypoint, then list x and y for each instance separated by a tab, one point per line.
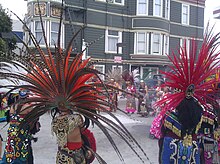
45	148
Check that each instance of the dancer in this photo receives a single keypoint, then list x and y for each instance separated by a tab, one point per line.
142	91
183	110
69	139
18	149
130	102
114	79
129	78
59	81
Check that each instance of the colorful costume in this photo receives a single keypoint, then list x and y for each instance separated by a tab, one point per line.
130	102
207	139
68	152
185	111
130	78
175	149
18	144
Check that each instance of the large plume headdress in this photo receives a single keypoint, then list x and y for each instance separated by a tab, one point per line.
114	74
189	71
131	77
59	81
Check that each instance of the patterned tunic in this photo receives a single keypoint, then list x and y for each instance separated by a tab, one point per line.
62	126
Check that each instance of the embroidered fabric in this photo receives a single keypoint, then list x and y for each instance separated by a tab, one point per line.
62	126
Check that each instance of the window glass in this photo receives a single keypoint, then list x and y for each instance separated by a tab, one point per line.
142	7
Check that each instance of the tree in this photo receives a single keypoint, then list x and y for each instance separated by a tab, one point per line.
7	41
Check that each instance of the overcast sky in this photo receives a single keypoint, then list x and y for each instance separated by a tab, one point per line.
20	7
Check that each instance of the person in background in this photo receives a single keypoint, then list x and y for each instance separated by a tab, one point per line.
130	102
155	130
142	91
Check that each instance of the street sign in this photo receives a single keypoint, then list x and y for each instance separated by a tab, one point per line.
118	59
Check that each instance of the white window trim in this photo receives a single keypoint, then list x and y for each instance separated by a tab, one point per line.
122	2
152	42
119	67
112	2
161	9
146	42
165	52
51	43
187	44
45	29
119	41
103	70
146	8
187	15
168	12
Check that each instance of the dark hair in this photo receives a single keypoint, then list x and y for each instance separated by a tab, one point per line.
189	114
54	112
12	98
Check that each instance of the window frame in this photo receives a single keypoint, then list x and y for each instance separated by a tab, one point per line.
112	2
187	14
103	70
167	10
137	9
182	40
38	31
55	41
152	43
166	48
113	36
161	8
118	66
145	42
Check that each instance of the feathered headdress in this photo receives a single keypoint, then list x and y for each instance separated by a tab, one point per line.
131	77
114	74
59	81
189	71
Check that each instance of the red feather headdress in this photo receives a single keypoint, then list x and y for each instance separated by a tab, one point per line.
189	72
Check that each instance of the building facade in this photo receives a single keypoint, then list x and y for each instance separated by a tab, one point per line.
127	34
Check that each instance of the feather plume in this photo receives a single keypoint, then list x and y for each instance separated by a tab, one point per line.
192	69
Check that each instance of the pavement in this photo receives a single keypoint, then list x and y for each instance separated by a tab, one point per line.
45	148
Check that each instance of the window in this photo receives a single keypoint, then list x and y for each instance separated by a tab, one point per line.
39	33
100	68
142	7
156	44
158	8
54	33
112	38
148	72
141	43
114	67
167	9
185	43
185	14
119	2
166	44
